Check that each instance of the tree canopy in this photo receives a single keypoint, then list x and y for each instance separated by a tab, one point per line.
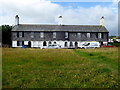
6	34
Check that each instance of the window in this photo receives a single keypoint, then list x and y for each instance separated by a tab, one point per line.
88	35
99	35
102	35
42	34
20	34
86	44
32	35
66	34
20	43
66	44
79	35
54	34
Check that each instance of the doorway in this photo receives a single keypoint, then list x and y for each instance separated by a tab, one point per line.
29	44
76	44
44	43
66	45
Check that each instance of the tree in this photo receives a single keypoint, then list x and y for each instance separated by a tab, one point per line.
6	34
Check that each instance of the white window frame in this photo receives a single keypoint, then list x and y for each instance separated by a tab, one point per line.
42	34
99	35
54	34
20	34
66	34
32	34
88	35
79	34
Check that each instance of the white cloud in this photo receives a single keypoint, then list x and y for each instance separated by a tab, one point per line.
43	11
92	16
30	11
115	1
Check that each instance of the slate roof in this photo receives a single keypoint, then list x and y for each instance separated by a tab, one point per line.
68	28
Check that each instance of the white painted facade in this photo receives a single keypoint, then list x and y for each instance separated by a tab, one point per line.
39	44
14	44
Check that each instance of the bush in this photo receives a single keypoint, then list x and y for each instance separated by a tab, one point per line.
117	44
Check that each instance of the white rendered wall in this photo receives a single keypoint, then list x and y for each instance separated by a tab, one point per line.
35	43
14	43
25	42
32	44
39	44
61	43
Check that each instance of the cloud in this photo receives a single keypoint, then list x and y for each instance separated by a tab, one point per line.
92	16
30	11
45	12
115	1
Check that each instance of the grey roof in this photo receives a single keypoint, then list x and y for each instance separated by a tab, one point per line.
68	28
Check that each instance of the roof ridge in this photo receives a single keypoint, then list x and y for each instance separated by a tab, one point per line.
59	25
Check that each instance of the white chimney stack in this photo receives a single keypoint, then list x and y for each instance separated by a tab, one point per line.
16	20
102	21
60	20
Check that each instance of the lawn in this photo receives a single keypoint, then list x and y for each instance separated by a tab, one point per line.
60	68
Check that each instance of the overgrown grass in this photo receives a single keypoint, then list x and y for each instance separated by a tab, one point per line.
60	68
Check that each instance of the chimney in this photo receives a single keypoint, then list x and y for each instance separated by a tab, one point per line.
102	21
60	20
16	20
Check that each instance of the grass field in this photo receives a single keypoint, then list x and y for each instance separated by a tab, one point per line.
60	68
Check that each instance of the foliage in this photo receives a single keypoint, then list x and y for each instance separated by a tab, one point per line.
60	68
116	37
6	34
117	44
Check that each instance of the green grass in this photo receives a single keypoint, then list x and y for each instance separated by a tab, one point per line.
60	68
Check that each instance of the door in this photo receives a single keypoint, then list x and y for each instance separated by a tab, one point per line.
76	44
29	44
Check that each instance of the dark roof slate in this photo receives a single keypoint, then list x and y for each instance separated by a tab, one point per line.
68	28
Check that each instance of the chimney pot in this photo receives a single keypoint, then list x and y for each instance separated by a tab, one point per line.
16	20
102	21
60	20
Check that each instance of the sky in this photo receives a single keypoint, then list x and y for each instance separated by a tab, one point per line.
74	12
